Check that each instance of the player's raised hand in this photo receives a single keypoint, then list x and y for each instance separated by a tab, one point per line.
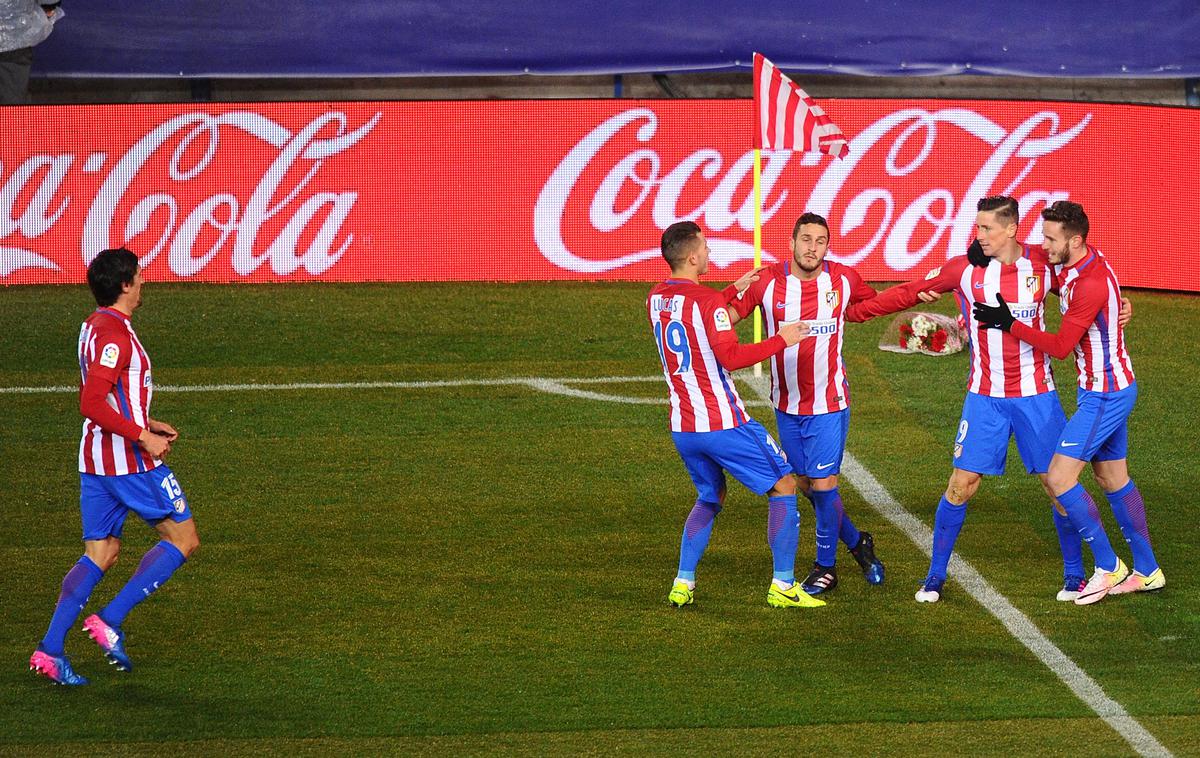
154	444
794	332
745	280
994	316
164	429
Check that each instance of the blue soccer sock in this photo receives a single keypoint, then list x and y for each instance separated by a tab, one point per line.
1086	520
847	531
783	534
156	568
947	523
696	531
1130	512
77	587
827	507
1070	545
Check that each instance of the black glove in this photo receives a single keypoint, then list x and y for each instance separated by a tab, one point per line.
976	255
994	316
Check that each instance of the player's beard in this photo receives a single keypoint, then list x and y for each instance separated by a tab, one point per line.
806	268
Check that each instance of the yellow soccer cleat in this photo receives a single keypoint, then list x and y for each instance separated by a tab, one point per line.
792	597
681	594
1135	582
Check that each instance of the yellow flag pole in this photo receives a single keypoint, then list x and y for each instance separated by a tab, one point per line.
757	244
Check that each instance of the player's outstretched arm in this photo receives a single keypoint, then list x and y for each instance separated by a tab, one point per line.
1075	323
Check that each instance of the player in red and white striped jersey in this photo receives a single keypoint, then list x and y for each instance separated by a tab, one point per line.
120	470
709	425
110	349
809	388
1090	299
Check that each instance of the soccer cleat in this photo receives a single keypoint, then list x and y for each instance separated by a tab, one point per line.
681	594
820	579
110	639
931	589
1135	582
1101	583
792	597
864	553
1072	586
55	668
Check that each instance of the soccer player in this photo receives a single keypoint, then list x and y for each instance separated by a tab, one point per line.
1090	298
120	470
712	432
809	388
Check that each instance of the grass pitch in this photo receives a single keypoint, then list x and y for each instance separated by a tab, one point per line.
483	569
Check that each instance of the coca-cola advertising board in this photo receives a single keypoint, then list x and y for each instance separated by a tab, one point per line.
557	190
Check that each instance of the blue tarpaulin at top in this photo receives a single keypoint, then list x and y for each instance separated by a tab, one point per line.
190	38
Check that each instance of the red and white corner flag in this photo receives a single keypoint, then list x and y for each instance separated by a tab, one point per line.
786	118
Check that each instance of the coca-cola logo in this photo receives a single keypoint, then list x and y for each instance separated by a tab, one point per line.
298	212
904	141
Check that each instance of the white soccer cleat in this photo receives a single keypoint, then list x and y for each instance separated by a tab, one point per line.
931	590
1101	583
1135	582
1072	586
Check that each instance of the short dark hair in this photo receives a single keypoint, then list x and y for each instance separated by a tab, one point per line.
1005	208
109	272
1071	215
809	218
677	241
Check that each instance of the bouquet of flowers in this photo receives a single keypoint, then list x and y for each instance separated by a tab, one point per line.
928	333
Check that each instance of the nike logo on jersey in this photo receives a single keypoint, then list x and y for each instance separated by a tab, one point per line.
978	285
1069	444
780	306
822	468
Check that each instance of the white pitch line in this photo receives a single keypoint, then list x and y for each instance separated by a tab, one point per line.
560	386
1016	622
500	381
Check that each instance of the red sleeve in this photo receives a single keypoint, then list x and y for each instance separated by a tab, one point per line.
732	354
93	405
1087	298
902	296
113	350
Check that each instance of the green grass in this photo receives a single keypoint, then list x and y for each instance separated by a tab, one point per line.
483	569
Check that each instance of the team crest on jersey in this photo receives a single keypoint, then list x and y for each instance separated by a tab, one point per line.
832	297
721	319
933	273
179	505
958	450
1033	284
109	355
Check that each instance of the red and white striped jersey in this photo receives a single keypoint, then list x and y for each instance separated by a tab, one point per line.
110	350
1001	364
1090	300
808	378
698	348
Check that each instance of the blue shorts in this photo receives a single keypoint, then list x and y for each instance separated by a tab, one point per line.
105	501
1098	431
747	452
981	443
814	445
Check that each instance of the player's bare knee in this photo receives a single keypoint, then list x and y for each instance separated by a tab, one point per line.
962	486
1110	483
1058	482
785	486
824	484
